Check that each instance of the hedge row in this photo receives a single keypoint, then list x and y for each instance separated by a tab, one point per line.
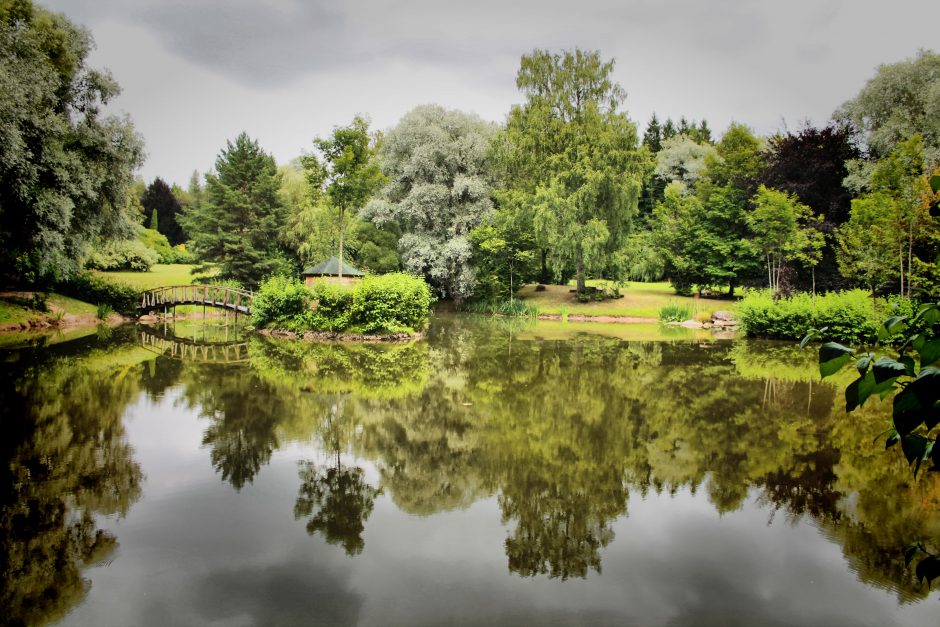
97	291
850	317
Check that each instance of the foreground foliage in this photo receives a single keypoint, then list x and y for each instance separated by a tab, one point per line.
915	378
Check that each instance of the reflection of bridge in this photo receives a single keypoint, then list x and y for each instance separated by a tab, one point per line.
230	298
191	350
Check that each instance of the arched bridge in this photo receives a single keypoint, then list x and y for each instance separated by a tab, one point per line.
218	296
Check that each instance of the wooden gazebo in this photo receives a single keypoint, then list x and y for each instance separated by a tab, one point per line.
329	270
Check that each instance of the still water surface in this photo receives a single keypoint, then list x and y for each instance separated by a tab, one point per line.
494	473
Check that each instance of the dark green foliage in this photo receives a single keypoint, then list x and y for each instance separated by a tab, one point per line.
239	223
387	303
811	164
282	303
376	248
391	303
848	316
164	208
92	289
334	303
64	167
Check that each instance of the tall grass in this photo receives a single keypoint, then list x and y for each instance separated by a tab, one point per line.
674	312
515	308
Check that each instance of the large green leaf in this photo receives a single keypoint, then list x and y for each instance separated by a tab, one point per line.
929	314
862	364
929	569
910	551
929	352
914	447
886	368
857	392
832	356
892	326
908	413
935	183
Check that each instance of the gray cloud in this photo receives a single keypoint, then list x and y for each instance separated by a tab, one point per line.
197	72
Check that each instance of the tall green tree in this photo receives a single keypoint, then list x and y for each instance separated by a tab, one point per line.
64	166
572	148
783	232
345	174
439	189
159	199
888	223
238	224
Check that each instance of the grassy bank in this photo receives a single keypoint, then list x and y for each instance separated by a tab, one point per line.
160	275
15	308
640	300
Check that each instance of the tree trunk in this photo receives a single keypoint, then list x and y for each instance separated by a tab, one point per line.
910	254
543	275
581	285
342	227
770	275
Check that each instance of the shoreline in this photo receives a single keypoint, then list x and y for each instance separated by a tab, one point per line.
339	336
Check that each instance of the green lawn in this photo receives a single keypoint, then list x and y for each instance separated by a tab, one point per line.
160	275
13	311
640	300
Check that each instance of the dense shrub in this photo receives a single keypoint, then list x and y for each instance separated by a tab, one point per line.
388	303
850	316
281	302
334	305
391	303
128	254
92	289
158	242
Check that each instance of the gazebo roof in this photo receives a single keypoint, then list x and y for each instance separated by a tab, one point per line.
330	267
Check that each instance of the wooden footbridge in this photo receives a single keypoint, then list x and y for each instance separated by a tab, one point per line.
217	296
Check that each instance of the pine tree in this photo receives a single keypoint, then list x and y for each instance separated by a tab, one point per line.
653	137
241	216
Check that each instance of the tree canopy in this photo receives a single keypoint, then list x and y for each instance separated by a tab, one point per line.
239	222
574	152
438	190
64	166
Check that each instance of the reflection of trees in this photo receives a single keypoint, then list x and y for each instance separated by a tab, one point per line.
243	411
66	459
338	501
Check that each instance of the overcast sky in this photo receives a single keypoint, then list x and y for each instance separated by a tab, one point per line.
195	73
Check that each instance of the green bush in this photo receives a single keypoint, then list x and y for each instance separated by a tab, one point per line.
92	289
849	316
674	312
128	254
157	242
391	303
334	304
283	303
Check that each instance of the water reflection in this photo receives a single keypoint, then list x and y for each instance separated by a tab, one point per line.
564	433
66	461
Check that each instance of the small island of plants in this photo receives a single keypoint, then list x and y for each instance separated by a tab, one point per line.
390	306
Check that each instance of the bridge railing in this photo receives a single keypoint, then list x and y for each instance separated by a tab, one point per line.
210	295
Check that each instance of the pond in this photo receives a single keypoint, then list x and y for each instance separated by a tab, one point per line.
496	472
